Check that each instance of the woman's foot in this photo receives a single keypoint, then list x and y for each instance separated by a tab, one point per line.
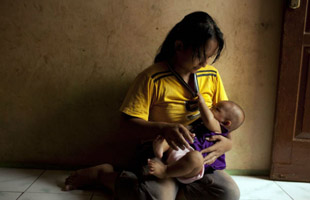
158	147
87	177
157	168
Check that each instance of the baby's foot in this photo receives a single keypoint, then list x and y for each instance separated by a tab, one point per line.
86	177
157	168
158	147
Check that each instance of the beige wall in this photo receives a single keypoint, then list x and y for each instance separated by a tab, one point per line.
65	67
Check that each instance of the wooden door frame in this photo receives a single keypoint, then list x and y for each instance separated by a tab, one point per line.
288	96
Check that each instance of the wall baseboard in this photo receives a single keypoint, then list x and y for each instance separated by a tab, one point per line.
241	172
41	166
248	172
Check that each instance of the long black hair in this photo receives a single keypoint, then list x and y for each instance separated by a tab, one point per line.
193	31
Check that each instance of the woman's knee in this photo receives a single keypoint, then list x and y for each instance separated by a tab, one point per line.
229	186
218	185
230	191
159	189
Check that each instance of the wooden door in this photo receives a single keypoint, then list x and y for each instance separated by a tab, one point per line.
291	144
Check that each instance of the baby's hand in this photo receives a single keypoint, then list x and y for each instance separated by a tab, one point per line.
200	98
193	135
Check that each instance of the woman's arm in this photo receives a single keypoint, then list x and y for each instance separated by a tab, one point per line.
175	134
222	145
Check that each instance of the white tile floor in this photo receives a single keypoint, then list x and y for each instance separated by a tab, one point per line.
28	184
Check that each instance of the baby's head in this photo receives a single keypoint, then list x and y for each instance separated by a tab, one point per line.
229	114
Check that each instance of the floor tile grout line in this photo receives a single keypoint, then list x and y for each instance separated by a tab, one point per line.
20	195
92	195
38	192
31	184
283	190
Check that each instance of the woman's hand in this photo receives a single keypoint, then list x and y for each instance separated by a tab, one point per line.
222	145
176	136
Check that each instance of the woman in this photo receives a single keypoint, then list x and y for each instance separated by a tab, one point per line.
156	102
161	101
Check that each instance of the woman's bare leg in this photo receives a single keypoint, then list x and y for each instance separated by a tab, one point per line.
98	175
188	166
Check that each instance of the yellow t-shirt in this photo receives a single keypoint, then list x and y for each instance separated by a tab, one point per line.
157	95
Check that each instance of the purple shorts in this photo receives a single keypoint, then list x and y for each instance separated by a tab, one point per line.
201	143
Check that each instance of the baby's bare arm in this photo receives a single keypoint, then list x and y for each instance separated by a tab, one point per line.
207	116
160	146
165	145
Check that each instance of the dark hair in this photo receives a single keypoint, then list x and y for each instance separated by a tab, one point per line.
194	31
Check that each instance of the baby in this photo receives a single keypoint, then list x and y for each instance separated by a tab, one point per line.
188	165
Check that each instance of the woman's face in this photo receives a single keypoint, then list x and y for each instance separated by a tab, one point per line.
187	64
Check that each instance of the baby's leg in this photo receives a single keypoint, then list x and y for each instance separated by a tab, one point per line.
98	175
188	166
160	146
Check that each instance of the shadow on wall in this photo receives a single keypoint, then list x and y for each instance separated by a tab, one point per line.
82	130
